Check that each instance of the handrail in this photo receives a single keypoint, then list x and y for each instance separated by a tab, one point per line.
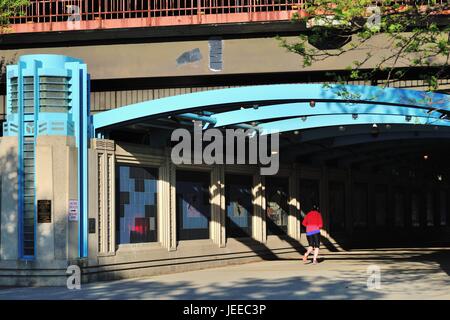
56	15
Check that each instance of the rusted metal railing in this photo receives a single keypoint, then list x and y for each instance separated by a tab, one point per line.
60	15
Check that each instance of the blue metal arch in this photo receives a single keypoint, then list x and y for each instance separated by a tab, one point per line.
295	110
345	120
345	133
334	104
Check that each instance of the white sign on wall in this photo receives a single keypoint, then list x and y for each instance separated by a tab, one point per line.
73	210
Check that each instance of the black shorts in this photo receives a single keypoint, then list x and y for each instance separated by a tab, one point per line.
314	240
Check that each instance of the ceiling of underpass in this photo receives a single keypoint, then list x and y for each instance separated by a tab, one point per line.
403	150
392	149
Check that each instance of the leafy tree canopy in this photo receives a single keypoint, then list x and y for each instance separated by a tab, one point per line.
10	8
414	37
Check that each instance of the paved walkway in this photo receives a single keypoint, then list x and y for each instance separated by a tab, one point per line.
405	274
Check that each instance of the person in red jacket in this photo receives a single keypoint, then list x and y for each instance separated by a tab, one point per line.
313	223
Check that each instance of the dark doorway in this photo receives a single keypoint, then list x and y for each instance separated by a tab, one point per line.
337	206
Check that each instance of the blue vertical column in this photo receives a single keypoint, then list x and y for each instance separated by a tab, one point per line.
20	139
47	95
83	146
81	117
27	101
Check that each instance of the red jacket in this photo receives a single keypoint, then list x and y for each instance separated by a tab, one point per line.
313	218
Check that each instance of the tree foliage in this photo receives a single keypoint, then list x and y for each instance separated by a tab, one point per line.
10	8
414	38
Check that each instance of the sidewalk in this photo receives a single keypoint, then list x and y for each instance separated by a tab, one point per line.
405	274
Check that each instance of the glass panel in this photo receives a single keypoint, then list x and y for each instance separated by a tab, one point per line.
28	154
360	205
28	110
309	196
443	207
29	147
54	94
28	87
28	192
193	206
28	200
53	109
399	208
28	236
430	209
29	207
277	204
54	102
53	79
28	80
29	184
28	103
29	250
28	169
14	95
29	140
415	210
57	87
28	229
26	95
381	199
337	206
137	196
29	215
238	197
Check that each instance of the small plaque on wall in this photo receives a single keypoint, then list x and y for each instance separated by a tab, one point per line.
91	225
44	211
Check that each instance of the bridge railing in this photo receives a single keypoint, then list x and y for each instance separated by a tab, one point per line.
60	15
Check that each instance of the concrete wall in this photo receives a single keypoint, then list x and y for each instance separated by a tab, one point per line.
55	181
55	241
9	198
159	59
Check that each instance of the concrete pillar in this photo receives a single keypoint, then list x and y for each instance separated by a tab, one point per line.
45	183
173	206
259	232
437	206
72	194
167	206
103	175
408	205
324	200
294	219
93	241
217	193
371	219
56	172
9	246
390	219
349	202
447	219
